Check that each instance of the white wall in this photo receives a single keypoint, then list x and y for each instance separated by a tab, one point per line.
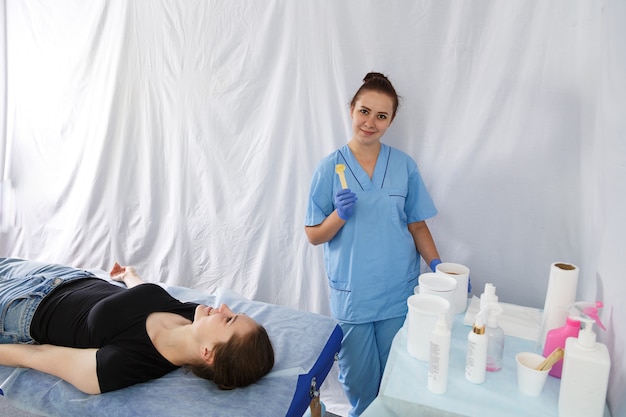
180	137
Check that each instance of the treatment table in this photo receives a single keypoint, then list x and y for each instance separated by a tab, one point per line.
404	391
305	345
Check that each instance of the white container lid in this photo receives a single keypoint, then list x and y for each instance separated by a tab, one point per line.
428	304
437	282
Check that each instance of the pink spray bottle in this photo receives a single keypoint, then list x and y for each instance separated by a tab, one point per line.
556	338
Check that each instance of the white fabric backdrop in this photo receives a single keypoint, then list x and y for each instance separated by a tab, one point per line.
180	137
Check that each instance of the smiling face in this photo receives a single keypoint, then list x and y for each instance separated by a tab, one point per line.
217	325
371	115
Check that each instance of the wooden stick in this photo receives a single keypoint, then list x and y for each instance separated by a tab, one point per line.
553	358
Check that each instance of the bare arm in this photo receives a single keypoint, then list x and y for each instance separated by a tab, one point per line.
424	242
326	230
127	275
76	366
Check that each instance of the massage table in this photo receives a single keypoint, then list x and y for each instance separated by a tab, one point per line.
305	344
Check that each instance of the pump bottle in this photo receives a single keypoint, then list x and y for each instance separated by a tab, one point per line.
439	357
495	338
585	376
488	295
476	359
495	334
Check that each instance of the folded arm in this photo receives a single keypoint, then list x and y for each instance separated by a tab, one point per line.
76	366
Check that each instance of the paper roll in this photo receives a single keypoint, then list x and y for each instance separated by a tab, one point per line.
561	294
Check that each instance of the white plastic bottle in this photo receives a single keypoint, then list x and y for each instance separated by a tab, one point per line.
495	338
439	357
476	359
488	295
585	376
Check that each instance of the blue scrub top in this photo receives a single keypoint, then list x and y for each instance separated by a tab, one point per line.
372	263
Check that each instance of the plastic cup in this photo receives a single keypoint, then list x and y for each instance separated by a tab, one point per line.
461	274
529	380
424	310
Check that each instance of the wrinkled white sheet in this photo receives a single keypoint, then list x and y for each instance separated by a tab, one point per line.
180	137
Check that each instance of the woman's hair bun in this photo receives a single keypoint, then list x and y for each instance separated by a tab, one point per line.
371	75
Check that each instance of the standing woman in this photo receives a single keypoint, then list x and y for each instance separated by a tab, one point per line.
373	232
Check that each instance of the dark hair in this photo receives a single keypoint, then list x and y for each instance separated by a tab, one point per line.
375	81
241	361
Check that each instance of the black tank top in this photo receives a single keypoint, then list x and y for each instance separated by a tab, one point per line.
92	313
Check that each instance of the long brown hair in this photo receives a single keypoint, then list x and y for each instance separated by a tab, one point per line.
241	361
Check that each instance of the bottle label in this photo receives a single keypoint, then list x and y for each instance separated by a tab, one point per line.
469	362
435	358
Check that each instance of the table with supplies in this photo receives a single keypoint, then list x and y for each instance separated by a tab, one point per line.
404	391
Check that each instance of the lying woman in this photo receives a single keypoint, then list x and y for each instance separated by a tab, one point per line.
101	337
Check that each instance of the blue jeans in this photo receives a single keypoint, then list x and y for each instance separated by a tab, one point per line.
23	285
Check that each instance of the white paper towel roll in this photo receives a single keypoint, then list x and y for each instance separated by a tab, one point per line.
560	296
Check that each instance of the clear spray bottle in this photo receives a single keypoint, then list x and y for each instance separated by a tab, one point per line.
495	337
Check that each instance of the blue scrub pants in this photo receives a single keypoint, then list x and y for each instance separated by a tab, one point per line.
362	358
23	284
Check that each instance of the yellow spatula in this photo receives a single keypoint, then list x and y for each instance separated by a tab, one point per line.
339	169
